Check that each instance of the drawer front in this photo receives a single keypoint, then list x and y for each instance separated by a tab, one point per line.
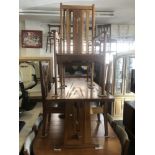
118	107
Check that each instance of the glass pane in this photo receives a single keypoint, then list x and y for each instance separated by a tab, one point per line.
119	76
129	66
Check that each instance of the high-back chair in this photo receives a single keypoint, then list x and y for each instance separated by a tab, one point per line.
111	121
123	137
28	145
48	108
121	134
27	75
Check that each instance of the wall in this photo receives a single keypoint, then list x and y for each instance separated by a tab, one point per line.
118	31
33	25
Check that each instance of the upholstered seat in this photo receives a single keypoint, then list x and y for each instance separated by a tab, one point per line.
121	134
27	75
123	137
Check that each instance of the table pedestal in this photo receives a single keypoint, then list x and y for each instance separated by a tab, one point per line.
77	131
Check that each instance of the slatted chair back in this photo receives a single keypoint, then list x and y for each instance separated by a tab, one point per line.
48	108
111	121
75	28
28	145
123	137
45	79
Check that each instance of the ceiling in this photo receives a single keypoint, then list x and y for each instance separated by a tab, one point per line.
40	10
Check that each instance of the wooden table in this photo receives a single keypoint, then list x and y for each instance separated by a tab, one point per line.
77	97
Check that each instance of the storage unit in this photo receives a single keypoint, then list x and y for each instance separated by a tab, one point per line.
123	64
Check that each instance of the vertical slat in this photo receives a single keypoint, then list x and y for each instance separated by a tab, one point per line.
81	24
87	31
93	26
61	75
61	27
92	74
104	63
75	31
55	63
64	32
68	30
87	72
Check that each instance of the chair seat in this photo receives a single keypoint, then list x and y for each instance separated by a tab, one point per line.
35	91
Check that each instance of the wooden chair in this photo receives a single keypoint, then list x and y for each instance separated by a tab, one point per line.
121	134
29	143
111	121
123	137
48	108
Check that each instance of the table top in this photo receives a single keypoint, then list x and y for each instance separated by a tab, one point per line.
78	89
35	58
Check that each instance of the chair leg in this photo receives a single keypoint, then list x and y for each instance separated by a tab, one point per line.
44	123
98	117
49	117
46	44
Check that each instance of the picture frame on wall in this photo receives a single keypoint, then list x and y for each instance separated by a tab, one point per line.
31	39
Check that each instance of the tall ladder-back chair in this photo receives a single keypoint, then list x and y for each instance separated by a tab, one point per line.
77	32
121	134
48	108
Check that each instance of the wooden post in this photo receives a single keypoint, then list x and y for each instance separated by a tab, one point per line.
61	28
68	28
104	64
55	63
64	32
87	31
93	26
92	76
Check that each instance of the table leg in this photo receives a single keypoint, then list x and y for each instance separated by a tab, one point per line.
105	118
44	123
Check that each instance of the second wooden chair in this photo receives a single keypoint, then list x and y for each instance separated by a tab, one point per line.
121	134
48	108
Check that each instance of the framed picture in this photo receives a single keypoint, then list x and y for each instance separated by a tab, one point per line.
31	39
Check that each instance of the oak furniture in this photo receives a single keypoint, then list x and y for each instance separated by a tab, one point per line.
121	134
129	123
48	108
77	98
75	46
35	93
122	66
108	146
124	140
